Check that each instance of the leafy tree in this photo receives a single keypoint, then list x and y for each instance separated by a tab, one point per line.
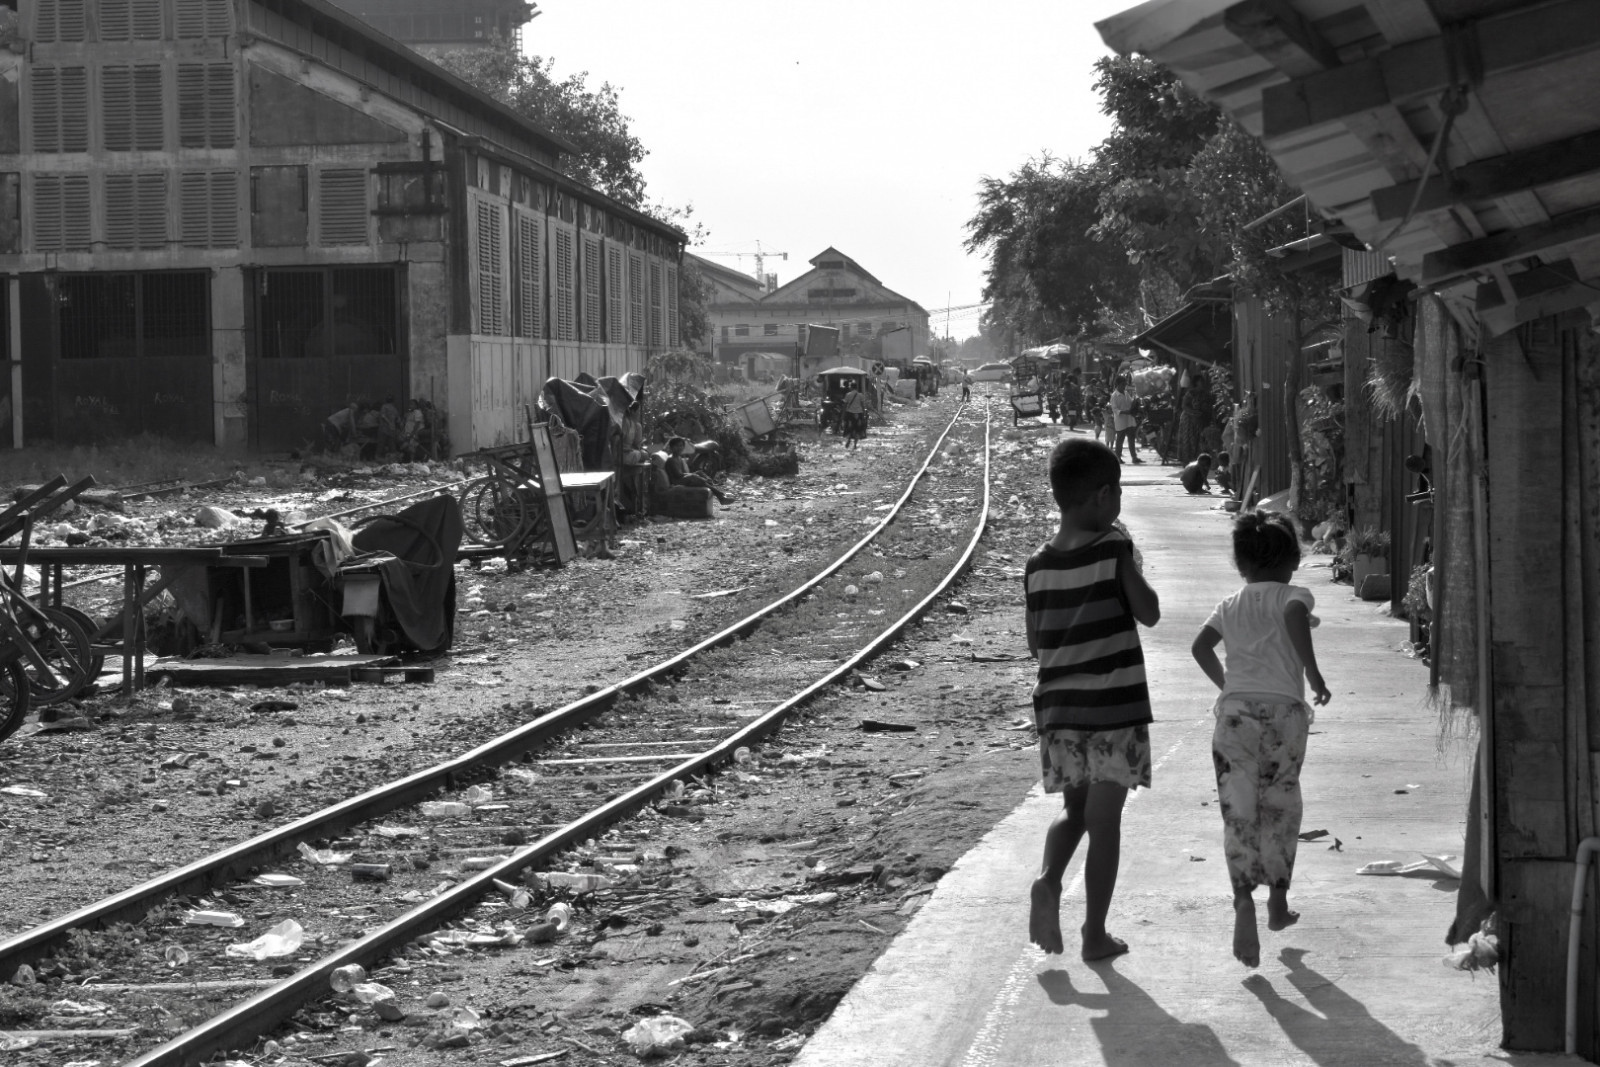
1047	276
608	155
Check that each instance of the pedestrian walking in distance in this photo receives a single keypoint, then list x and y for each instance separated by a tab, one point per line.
1085	601
1125	419
854	406
1262	719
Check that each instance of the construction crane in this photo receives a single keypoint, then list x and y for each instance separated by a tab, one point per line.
759	255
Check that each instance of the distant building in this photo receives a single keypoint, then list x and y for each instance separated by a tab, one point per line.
222	219
746	318
444	24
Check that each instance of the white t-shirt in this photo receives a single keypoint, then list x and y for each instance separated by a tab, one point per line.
1261	662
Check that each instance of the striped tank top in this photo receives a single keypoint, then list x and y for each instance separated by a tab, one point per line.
1091	664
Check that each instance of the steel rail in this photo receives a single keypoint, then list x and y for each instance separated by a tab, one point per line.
379	503
243	1023
34	944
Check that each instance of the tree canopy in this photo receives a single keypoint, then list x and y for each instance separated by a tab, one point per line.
608	155
1108	245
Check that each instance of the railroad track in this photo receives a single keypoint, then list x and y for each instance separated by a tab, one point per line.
554	794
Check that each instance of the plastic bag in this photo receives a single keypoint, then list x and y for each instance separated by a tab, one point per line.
282	940
657	1035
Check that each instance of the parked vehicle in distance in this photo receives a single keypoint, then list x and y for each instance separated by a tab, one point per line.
992	372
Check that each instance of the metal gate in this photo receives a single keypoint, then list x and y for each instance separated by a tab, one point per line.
132	355
321	337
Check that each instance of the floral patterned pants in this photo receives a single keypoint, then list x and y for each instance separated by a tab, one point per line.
1258	747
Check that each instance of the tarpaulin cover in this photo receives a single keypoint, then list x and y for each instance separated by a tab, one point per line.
598	410
420	580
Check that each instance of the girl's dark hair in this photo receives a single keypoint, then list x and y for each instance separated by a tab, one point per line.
1264	541
1204	459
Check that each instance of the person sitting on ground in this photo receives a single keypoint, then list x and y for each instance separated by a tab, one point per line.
1224	473
339	429
1194	475
678	472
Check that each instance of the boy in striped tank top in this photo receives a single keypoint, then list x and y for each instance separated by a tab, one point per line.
1085	599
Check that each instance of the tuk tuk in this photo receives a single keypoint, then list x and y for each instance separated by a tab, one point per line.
927	374
833	384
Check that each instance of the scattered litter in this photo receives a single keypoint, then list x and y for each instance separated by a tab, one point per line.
518	896
877	726
1197	859
1312	835
578	883
213	918
718	593
787	1043
282	940
445	809
325	857
869	682
396	831
543	1057
277	881
1445	865
274	705
478	794
1480	953
22	791
560	915
343	979
904	665
657	1035
10	1043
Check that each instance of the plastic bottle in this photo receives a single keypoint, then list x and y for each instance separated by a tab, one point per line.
561	915
578	883
445	809
741	755
347	978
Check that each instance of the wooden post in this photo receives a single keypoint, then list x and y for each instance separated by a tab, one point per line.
1534	793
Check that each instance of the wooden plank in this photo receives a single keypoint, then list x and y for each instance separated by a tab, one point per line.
1538	292
1533	894
265	670
1499	176
1281	35
1469	257
1508	42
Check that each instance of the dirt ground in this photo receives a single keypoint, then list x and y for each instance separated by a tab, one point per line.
749	921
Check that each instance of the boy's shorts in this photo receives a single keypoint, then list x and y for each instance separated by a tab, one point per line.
1074	758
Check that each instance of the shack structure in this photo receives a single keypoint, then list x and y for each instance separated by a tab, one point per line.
221	219
1460	140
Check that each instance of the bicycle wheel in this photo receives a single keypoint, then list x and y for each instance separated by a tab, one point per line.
64	647
14	699
495	511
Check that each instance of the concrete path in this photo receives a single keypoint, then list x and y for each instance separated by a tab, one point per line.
1358	982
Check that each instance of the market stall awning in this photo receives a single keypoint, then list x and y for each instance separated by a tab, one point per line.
1200	330
1471	157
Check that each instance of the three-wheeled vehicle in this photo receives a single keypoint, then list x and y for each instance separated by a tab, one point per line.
834	383
926	372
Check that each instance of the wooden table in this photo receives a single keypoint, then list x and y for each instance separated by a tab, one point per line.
592	494
135	594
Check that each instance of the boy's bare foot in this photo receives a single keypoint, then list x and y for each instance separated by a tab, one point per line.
1103	947
1044	917
1246	942
1279	917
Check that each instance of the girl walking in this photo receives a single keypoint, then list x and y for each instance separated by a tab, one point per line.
1262	719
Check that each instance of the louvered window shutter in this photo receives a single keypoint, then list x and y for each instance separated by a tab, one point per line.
60	212
59	21
130	20
635	299
530	275
565	296
209	209
60	109
672	307
136	211
655	305
591	289
491	276
206	105
130	108
204	18
342	211
614	295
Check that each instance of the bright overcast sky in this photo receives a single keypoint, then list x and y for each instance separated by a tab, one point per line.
862	124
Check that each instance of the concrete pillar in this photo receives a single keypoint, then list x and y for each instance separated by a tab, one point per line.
229	374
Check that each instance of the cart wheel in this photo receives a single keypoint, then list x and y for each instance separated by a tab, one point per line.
14	699
495	511
65	649
91	626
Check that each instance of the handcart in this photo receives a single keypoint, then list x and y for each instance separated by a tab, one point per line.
1026	406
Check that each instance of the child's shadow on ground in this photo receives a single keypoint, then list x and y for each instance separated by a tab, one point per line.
1337	1028
1135	1031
